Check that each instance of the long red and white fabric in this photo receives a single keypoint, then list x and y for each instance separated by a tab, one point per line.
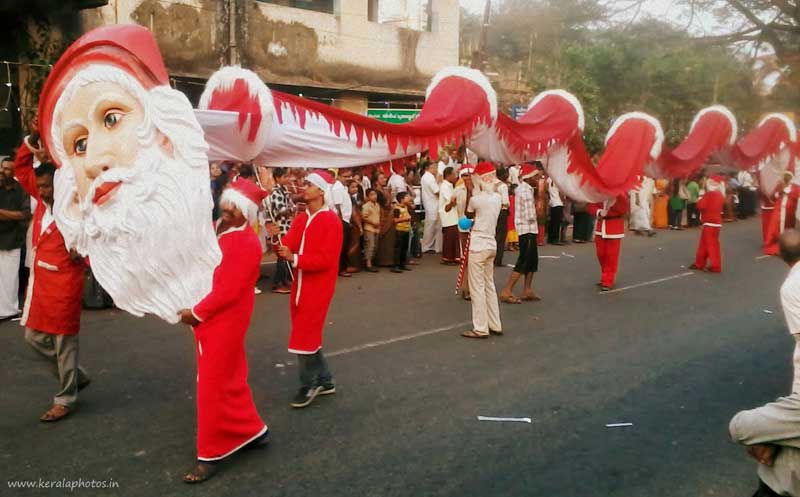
244	121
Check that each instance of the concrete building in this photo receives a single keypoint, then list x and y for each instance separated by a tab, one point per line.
354	54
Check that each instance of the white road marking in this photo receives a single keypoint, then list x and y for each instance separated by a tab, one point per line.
403	338
618	425
647	283
760	257
507	420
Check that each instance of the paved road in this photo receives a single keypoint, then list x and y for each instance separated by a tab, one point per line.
676	358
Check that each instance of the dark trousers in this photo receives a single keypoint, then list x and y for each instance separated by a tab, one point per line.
554	224
500	234
345	246
582	228
765	491
692	214
282	277
401	248
675	217
314	370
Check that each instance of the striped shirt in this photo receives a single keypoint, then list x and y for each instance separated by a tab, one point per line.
525	210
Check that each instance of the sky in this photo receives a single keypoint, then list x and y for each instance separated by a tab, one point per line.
662	9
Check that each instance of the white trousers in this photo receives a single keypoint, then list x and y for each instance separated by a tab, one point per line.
9	282
432	235
485	309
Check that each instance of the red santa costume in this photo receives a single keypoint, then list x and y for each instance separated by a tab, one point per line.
315	240
609	232
227	419
782	218
55	288
710	207
767	208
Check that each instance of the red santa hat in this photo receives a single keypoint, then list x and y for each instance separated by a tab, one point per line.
321	179
246	196
130	48
716	183
527	171
485	168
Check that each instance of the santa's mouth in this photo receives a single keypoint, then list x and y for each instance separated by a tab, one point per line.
104	192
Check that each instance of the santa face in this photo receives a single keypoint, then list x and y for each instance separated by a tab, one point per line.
133	193
99	133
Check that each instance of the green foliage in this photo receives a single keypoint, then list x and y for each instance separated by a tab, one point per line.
652	68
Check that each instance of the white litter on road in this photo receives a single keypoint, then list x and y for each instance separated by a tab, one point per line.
507	420
767	311
567	255
618	425
16	319
549	257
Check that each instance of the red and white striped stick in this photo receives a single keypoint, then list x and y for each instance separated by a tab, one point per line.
464	257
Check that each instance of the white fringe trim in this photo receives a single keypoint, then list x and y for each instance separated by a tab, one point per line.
725	112
788	122
655	151
473	75
569	97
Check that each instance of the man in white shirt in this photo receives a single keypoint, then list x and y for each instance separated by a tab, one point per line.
641	200
513	175
771	433
501	232
432	236
451	253
556	205
397	181
484	208
342	205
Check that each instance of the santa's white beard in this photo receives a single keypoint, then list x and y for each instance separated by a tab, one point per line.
152	245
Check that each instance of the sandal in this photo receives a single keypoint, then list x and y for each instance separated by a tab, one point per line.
200	473
474	334
510	299
55	413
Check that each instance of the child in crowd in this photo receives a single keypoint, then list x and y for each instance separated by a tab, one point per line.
512	238
371	216
402	223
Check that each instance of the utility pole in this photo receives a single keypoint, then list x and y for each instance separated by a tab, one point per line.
233	50
479	56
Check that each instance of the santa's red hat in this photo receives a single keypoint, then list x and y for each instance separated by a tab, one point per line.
527	171
130	48
250	190
718	178
321	179
485	168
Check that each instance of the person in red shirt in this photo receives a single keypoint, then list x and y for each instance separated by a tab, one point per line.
227	419
710	207
52	312
609	232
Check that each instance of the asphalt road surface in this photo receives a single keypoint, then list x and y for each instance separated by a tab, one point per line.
676	357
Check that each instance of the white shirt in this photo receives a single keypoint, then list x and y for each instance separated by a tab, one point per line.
746	180
505	201
555	195
47	218
446	192
366	184
397	184
790	301
486	206
340	199
513	175
430	191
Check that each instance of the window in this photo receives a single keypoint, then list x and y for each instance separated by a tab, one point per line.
325	6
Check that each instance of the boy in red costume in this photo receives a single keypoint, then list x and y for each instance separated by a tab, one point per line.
312	247
609	232
227	419
710	207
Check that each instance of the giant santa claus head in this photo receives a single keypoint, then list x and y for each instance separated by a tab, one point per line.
132	190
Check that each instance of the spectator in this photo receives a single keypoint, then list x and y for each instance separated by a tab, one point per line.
371	218
281	211
341	205
502	220
556	205
402	223
15	213
356	229
676	206
771	433
449	218
432	237
692	214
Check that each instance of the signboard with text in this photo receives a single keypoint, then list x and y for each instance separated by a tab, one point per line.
395	116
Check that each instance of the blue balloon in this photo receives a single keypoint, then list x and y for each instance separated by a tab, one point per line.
465	223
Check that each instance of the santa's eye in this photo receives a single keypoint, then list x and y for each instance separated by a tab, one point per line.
80	145
111	119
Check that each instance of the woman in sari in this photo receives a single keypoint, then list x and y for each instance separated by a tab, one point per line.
661	204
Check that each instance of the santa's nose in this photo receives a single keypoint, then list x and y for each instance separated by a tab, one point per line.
95	165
